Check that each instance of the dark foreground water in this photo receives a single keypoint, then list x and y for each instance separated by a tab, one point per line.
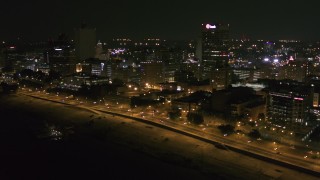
29	151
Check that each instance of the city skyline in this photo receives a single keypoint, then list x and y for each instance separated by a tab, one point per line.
166	20
160	90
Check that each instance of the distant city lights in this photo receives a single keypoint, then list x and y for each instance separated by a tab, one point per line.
117	51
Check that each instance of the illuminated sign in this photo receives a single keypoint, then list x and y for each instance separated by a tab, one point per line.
208	26
299	99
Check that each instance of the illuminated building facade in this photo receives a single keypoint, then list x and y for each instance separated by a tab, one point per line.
61	56
289	104
152	72
294	70
215	54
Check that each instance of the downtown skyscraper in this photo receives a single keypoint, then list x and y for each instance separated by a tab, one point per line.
213	52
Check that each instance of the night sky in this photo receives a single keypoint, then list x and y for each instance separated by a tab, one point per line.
34	20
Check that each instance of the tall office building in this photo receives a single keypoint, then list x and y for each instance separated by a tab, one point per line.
2	58
85	42
288	104
215	54
100	53
152	72
60	55
294	70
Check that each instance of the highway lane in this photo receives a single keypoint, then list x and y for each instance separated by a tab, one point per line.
255	146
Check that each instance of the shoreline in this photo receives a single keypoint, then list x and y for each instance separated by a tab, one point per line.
200	159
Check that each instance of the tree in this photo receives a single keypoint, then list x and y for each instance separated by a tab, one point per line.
195	118
26	72
40	74
174	113
198	119
226	129
254	134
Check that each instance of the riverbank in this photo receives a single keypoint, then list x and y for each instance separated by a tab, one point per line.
98	145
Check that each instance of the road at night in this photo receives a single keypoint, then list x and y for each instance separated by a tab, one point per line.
262	149
112	144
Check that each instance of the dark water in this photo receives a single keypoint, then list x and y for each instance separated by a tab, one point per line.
28	152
